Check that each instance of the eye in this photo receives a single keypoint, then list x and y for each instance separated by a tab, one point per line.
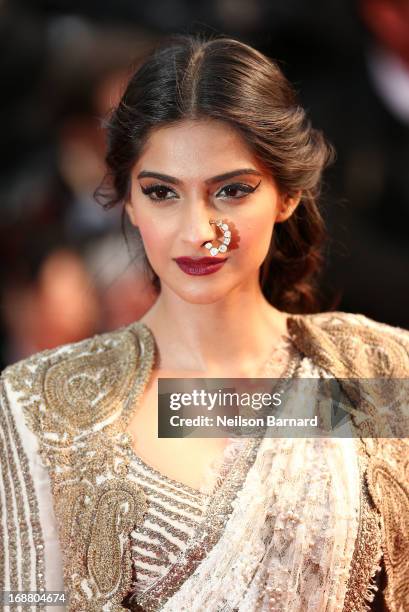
158	192
237	190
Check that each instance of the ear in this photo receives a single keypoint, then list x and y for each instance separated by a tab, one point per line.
287	206
130	210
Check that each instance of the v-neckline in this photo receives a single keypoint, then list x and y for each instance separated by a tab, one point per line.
146	358
178	484
219	506
206	533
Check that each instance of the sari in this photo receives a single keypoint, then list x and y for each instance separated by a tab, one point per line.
300	524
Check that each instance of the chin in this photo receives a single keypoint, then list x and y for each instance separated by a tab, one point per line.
199	295
202	297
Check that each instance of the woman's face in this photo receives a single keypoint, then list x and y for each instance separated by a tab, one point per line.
177	188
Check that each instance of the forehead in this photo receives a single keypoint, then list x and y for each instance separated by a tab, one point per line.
203	146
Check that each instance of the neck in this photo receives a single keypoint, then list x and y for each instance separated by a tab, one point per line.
232	334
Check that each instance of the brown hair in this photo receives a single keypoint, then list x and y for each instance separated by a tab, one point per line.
192	77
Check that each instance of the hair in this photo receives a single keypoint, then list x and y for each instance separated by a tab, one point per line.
196	77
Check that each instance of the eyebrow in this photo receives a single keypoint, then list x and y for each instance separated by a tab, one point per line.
214	179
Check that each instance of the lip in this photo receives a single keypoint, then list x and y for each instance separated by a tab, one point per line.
201	265
199	260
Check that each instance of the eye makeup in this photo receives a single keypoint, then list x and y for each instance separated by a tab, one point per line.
160	190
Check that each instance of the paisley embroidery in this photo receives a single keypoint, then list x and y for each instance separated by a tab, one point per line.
392	497
118	509
357	346
73	400
51	386
82	391
78	399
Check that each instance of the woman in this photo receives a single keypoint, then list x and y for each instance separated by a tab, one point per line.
211	156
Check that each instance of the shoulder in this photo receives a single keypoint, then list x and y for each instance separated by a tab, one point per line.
357	329
76	384
338	320
364	347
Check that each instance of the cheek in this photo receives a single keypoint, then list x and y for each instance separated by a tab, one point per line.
257	227
156	237
255	238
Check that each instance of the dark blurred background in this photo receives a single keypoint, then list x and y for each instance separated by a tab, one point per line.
67	272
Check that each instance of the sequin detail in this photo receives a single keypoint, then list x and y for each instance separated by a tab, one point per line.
22	564
206	533
89	452
175	512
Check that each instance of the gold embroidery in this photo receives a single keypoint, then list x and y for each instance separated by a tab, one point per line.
353	352
156	535
354	346
51	385
26	534
185	493
82	391
98	520
5	455
72	399
207	532
391	494
81	442
2	560
356	350
368	550
117	511
160	552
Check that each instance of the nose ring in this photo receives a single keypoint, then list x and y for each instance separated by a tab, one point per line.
225	240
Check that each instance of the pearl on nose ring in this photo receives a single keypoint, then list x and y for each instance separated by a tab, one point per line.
225	240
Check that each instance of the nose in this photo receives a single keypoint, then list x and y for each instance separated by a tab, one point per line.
195	229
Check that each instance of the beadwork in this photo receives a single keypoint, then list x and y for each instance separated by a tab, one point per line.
78	401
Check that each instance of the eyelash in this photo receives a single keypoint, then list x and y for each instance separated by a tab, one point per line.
241	186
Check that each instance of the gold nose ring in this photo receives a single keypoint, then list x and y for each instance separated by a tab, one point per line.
224	240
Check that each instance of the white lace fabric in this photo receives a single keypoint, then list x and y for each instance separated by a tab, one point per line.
276	366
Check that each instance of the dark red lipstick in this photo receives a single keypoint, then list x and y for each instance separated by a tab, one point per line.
200	265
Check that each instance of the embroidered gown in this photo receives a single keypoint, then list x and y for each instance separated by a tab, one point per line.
281	524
